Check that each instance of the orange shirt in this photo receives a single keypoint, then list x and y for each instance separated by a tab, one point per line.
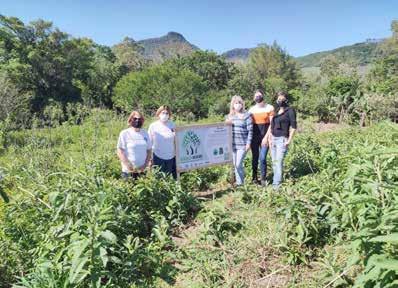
261	115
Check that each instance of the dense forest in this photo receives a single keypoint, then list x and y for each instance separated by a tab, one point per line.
68	220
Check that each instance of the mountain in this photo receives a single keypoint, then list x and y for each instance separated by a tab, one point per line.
167	46
237	55
174	44
360	54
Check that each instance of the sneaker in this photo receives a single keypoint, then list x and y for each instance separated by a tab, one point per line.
256	182
264	183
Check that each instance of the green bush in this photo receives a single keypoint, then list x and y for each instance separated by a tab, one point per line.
181	89
90	231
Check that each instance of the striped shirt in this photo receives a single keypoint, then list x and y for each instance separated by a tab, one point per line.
242	130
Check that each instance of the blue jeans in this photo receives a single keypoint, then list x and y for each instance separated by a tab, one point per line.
166	166
278	152
238	156
259	151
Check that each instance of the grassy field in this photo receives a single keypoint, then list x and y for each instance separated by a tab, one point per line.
70	221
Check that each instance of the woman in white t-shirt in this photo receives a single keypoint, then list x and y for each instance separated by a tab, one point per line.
162	134
134	147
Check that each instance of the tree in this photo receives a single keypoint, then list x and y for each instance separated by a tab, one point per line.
383	78
330	66
272	62
129	55
243	83
342	92
103	75
214	69
43	60
165	84
14	104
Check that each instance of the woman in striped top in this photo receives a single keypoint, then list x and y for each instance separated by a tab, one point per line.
242	133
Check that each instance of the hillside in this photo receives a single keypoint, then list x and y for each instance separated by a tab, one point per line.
174	44
167	46
237	55
360	53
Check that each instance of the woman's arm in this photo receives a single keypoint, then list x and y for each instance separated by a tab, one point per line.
147	159
123	158
293	126
267	138
249	126
291	134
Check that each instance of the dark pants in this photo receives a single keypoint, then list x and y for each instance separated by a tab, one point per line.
131	175
166	166
259	153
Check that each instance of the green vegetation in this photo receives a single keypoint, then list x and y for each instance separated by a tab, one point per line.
358	54
71	221
68	220
169	46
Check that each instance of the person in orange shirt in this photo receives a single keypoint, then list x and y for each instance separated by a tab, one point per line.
262	114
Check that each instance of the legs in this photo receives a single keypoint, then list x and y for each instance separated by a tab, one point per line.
255	146
263	162
166	166
259	153
238	157
278	152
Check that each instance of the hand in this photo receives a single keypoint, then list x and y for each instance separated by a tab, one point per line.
286	144
247	148
265	142
130	167
228	121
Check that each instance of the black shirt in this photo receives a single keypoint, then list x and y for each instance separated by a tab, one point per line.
281	123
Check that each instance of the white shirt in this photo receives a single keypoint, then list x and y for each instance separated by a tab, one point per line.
162	136
135	146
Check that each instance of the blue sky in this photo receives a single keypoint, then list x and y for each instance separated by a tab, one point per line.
301	27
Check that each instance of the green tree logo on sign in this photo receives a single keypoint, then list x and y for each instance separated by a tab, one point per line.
191	143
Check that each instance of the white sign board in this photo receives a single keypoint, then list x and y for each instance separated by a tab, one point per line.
199	146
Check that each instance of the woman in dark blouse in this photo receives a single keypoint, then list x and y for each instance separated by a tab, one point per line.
283	127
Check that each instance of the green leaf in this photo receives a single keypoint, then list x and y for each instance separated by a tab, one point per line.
104	256
4	195
109	236
76	273
390	238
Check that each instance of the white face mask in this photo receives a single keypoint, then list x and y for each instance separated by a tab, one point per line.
164	117
238	107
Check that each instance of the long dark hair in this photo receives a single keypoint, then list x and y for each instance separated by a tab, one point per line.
284	94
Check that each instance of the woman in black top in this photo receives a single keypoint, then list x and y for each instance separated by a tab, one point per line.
283	127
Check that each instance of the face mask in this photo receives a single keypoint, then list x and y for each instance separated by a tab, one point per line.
163	117
259	98
238	107
137	123
281	103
